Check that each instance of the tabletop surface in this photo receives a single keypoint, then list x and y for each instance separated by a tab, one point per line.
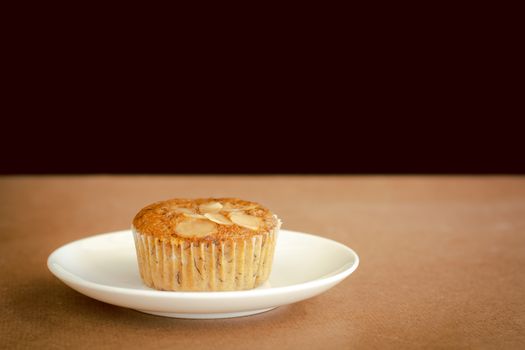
442	262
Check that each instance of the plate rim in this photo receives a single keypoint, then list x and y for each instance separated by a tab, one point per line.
66	276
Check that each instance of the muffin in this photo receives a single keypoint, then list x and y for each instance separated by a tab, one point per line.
211	244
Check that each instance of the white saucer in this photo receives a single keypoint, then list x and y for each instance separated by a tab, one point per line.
104	267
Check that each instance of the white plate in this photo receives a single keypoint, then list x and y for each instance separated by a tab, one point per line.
104	267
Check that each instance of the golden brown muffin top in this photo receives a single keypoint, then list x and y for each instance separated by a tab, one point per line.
205	219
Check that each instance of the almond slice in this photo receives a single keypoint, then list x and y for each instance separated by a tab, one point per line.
218	218
229	207
233	210
195	228
210	207
193	215
244	220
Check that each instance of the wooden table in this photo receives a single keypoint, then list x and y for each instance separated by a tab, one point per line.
442	263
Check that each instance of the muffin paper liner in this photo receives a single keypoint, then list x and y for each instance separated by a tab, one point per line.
179	265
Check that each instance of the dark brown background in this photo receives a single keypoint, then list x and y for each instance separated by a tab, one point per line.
428	91
228	144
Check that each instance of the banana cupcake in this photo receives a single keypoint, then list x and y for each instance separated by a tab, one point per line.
211	244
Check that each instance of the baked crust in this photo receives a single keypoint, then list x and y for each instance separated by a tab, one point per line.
162	219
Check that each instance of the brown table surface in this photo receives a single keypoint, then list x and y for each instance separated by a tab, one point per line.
442	263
